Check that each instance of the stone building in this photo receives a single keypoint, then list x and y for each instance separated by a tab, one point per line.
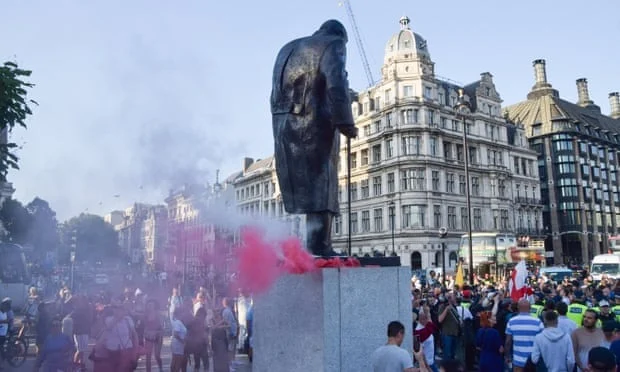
154	235
407	163
257	194
130	234
578	148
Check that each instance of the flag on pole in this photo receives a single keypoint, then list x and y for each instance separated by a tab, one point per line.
459	276
517	281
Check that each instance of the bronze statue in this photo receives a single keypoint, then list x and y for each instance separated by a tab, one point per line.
310	107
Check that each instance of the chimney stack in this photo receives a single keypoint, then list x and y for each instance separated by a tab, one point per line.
540	72
582	93
614	102
246	163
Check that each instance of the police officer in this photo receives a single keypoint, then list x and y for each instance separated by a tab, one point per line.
537	309
616	308
577	308
604	313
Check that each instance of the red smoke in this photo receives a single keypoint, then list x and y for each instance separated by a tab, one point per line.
262	262
260	265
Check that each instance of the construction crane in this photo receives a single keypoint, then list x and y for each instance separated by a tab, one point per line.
358	41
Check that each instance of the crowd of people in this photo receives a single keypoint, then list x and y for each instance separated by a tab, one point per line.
130	328
565	326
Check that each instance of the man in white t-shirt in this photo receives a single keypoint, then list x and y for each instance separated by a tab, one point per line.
391	357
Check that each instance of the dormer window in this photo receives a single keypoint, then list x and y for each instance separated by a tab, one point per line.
406	43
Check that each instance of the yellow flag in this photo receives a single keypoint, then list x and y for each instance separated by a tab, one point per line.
459	276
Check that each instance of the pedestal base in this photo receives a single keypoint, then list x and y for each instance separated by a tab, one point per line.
331	320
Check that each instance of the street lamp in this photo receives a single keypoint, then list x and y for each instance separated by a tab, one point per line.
463	108
392	212
72	269
443	232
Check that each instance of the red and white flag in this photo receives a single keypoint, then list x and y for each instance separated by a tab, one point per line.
517	281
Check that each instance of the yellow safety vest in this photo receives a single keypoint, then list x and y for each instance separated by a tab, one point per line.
616	311
466	305
599	322
536	310
575	313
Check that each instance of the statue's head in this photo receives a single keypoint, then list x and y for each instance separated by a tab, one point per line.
333	28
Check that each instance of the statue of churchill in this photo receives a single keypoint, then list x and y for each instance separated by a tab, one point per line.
311	107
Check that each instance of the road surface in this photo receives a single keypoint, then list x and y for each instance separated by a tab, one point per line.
240	365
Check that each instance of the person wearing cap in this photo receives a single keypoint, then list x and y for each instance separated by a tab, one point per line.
604	313
601	359
577	308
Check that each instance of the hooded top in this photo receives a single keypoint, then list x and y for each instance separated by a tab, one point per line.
555	348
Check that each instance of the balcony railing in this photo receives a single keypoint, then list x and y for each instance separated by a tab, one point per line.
528	201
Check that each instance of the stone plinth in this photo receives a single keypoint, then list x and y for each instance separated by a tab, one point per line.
331	320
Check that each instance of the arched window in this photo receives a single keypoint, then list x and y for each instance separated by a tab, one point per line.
416	261
438	259
453	259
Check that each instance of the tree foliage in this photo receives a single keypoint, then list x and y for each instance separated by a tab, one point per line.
43	234
90	237
14	110
16	221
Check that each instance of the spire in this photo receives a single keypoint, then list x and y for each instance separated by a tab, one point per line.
404	23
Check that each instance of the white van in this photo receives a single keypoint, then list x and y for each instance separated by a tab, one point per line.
605	264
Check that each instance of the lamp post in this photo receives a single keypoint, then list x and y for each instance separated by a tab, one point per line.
72	269
392	212
443	232
463	108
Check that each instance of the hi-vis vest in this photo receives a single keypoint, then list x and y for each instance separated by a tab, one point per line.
466	305
536	310
616	311
575	313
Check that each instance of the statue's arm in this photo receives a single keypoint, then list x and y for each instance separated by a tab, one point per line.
337	84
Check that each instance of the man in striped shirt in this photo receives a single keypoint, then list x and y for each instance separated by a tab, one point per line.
520	333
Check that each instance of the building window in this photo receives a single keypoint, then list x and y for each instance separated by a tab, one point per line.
376	186
364	157
388	97
450	182
378	218
473	155
462	184
447	150
477	219
437	216
354	229
376	127
337	225
407	91
389	148
389	120
353	160
414	216
390	183
433	146
504	219
411	145
365	189
365	221
428	92
452	218
366	130
475	186
464	219
410	116
430	117
459	153
413	179
435	180
376	154
353	191
501	188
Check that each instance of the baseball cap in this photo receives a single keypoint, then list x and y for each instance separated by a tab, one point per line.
467	293
601	358
603	303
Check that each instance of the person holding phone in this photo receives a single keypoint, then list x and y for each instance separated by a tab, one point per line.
391	357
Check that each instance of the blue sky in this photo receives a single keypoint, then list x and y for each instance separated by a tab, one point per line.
139	96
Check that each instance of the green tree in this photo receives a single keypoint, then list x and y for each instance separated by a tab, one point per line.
14	109
43	236
16	221
90	237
